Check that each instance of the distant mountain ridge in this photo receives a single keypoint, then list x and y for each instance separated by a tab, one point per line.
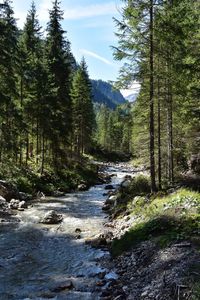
103	93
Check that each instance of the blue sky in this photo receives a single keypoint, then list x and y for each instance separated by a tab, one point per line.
90	29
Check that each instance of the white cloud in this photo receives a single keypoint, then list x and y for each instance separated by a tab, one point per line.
71	12
134	89
21	17
93	10
43	10
95	55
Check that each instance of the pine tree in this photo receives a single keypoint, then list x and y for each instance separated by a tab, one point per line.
82	107
8	44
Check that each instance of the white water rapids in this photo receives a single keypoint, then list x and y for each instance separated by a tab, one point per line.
37	258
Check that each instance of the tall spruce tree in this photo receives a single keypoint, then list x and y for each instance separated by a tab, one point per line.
58	59
31	76
82	107
8	47
136	44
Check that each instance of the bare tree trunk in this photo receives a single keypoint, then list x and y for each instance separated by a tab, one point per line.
151	127
37	141
170	135
21	141
159	138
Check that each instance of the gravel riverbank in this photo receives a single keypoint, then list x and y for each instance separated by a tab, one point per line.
148	270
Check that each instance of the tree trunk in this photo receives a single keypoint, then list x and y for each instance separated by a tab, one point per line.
21	141
170	135
27	149
43	154
151	125
159	139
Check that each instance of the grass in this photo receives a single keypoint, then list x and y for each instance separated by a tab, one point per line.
162	217
196	292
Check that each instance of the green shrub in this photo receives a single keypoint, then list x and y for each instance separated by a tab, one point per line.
139	185
24	184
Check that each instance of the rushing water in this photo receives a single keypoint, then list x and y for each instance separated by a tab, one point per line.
36	259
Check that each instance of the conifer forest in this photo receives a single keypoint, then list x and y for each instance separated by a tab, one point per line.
62	132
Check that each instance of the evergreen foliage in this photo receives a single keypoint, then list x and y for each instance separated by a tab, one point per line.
158	41
36	80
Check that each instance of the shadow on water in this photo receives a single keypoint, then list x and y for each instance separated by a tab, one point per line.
36	258
34	262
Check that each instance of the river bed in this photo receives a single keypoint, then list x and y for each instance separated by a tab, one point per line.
38	260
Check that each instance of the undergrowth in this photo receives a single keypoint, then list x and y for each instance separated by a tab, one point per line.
30	180
162	217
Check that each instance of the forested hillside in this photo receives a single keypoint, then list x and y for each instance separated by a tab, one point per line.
104	93
47	117
72	149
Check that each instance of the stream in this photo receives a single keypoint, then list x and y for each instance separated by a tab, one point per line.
37	260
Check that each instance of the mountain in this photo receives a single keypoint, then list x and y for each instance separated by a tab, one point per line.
132	97
103	93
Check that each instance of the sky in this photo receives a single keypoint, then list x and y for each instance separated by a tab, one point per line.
90	29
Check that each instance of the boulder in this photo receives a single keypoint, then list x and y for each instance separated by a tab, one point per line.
17	204
52	217
24	196
101	240
106	207
22	204
125	183
111	199
3	204
14	204
8	190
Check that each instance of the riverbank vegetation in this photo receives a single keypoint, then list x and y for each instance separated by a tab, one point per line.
47	118
159	42
165	217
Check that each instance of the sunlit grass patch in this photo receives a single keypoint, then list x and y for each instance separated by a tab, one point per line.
163	218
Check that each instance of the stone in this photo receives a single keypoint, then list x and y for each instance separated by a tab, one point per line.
8	190
3	203
78	236
22	204
52	217
24	196
67	285
125	183
58	194
101	275
100	283
77	230
82	187
40	195
109	187
106	207
14	204
98	241
17	204
113	198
